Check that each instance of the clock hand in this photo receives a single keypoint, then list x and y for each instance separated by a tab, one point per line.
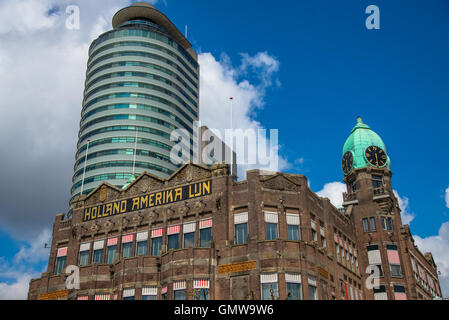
377	160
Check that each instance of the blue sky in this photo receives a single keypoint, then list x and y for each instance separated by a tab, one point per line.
327	69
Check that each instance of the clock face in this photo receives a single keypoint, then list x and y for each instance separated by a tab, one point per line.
347	162
376	156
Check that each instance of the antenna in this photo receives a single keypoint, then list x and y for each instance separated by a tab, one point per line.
185	34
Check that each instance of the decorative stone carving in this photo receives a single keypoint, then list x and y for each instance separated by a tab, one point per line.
279	182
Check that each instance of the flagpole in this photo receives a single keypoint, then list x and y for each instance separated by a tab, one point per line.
84	170
135	151
232	139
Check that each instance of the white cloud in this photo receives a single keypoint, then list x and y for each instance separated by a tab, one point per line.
439	247
219	81
22	268
406	216
333	191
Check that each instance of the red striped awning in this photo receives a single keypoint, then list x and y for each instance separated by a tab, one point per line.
115	296
164	290
393	256
112	241
172	230
102	297
400	296
206	224
201	284
83	298
128	238
156	233
179	285
62	252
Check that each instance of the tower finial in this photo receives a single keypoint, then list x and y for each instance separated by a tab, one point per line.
359	119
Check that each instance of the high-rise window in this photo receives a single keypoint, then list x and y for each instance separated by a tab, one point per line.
205	233
60	264
97	256
271	225
189	234
127	245
293	286
240	228
156	241
142	243
312	289
201	289
372	222
377	181
269	286
83	258
293	223
149	293
110	254
179	290
173	237
365	224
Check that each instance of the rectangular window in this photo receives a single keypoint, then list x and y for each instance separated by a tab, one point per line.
98	256
111	254
189	234
173	241
337	250
365	225
142	247
142	243
293	232
271	225
179	295
149	293
83	258
372	224
129	294
294	288
240	233
271	230
395	270
377	181
127	249
156	246
189	240
312	289
205	237
205	233
390	224
201	289
60	264
269	286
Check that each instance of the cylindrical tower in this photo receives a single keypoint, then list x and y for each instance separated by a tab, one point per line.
142	80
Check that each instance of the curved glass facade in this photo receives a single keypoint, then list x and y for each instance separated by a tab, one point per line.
139	78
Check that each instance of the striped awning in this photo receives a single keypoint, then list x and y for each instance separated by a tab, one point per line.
312	281
172	230
241	218
201	284
393	256
127	238
142	236
374	257
85	246
322	231
156	233
98	244
112	241
149	291
130	292
179	285
293	219
164	289
189	227
206	224
83	298
268	277
62	252
271	217
400	296
313	224
102	297
293	277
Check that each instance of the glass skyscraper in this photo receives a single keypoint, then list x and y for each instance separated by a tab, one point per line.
142	81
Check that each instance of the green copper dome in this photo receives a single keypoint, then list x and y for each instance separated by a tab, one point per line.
360	139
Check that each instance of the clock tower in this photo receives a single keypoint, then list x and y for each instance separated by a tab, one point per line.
370	202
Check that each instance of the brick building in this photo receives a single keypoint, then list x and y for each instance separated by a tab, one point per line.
199	234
